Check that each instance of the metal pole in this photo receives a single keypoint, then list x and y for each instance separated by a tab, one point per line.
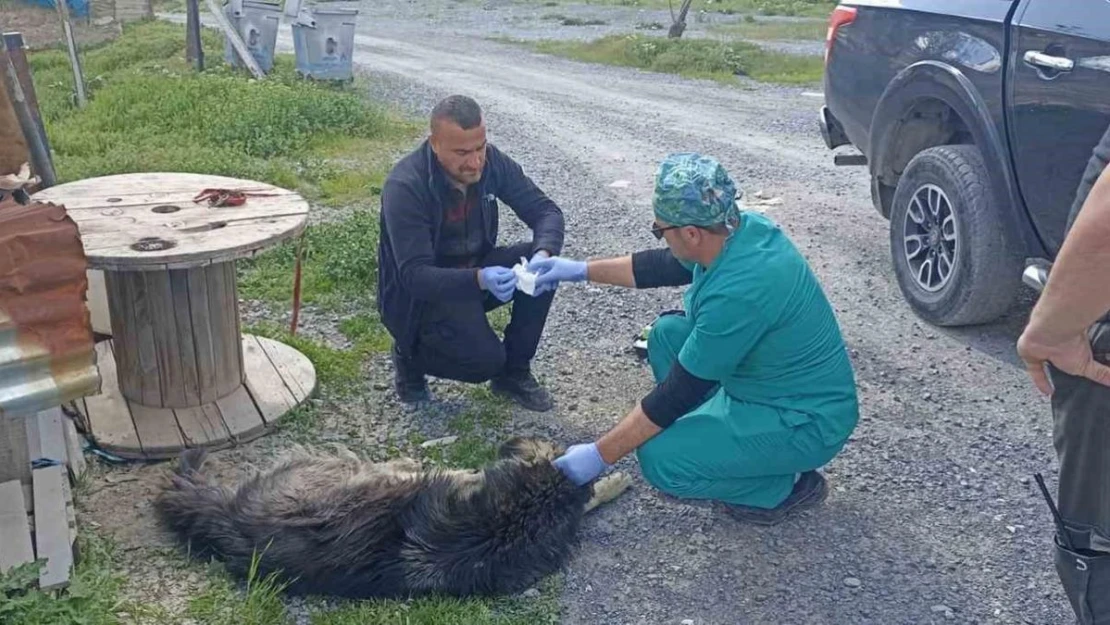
40	156
17	53
78	76
194	49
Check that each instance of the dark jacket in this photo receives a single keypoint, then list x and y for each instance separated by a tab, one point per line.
414	200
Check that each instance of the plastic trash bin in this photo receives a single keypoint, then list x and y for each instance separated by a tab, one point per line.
257	23
324	41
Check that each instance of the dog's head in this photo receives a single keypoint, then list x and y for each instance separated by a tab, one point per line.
529	449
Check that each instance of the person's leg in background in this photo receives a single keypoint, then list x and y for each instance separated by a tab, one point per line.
454	342
1081	433
522	336
1081	436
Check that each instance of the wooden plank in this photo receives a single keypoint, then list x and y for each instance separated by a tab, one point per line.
203	341
241	416
264	382
115	212
71	512
51	527
83	414
186	348
110	423
158	430
14	461
15	532
184	213
296	370
149	390
51	435
124	330
34	441
75	454
223	311
202	426
139	183
97	297
166	343
238	240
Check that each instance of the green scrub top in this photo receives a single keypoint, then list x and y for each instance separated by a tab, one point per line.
763	329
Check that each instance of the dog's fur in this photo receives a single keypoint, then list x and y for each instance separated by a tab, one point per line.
335	525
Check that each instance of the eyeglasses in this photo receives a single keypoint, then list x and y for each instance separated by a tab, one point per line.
658	232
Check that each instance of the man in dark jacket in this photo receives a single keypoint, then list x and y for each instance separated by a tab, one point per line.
440	270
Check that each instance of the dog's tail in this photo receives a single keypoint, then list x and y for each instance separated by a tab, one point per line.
195	510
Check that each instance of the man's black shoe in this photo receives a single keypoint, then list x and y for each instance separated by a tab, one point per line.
522	388
410	385
809	491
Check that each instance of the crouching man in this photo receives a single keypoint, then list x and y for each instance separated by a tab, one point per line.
754	387
440	270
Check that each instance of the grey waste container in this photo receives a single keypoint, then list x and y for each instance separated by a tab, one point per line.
324	41
257	23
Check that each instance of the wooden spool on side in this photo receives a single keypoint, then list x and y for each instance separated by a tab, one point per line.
176	334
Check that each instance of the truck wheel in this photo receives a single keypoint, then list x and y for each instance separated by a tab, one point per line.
953	263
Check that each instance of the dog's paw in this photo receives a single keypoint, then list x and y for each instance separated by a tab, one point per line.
611	486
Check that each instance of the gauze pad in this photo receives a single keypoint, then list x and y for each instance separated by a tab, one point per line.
525	280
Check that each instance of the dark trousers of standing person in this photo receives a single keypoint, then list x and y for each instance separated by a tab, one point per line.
1081	436
455	340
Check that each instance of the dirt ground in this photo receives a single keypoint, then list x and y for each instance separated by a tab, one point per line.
932	516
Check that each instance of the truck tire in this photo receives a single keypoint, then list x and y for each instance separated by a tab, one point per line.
951	257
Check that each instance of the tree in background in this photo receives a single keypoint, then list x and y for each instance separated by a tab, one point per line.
678	24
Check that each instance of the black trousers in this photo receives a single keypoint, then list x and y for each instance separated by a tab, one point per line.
456	342
1081	436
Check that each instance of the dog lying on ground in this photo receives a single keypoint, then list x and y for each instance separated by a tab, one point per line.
340	526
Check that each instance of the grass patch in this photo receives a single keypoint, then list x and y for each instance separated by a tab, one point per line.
223	604
761	30
695	58
340	264
541	610
801	8
335	368
148	111
92	598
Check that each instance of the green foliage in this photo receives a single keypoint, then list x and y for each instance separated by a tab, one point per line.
339	266
222	603
542	610
764	30
92	597
335	368
701	58
804	8
149	111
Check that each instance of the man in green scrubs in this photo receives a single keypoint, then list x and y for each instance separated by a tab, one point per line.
754	387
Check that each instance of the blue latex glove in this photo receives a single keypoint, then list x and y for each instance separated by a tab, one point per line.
552	271
582	463
501	281
541	288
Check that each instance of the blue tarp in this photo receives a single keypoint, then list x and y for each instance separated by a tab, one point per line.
77	8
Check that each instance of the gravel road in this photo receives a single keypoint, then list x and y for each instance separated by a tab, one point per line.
933	516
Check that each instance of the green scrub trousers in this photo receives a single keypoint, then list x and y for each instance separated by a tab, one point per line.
727	450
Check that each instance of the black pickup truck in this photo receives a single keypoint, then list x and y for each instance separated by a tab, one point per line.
976	119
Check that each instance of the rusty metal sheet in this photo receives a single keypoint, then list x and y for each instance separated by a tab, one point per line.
46	340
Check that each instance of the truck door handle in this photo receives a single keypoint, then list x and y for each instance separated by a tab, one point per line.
1047	61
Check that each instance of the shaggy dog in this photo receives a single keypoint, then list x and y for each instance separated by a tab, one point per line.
339	526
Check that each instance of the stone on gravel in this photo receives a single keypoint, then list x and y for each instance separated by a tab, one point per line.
852	582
